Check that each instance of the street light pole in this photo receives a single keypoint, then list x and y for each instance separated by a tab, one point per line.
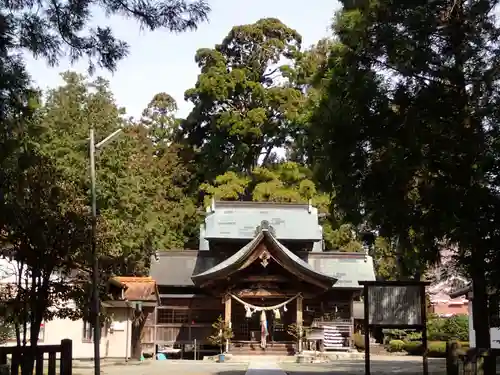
95	260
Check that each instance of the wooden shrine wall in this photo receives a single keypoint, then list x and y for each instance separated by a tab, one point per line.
181	320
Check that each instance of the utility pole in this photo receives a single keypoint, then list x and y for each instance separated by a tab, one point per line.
96	303
95	263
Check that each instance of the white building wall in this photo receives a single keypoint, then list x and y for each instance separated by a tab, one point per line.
494	333
114	344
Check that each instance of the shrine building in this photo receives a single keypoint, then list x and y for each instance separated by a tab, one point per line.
264	269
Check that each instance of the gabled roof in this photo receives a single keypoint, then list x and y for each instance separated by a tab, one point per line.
461	292
245	256
137	288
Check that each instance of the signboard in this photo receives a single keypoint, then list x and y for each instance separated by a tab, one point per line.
395	305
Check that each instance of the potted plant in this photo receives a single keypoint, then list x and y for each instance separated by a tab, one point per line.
222	333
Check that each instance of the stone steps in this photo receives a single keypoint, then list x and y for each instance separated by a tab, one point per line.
252	348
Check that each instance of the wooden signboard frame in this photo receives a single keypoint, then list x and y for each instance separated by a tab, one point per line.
419	323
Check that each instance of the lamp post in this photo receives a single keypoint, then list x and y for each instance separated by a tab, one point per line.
95	261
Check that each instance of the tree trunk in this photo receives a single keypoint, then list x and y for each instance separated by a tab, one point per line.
480	314
138	323
136	349
28	361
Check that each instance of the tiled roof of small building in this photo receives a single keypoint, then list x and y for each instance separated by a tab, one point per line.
138	288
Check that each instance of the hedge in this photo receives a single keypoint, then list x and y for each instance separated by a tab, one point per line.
396	346
435	348
438	329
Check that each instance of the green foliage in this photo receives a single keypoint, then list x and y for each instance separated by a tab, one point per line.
401	334
436	349
408	139
286	182
44	213
414	347
221	333
395	346
457	327
397	161
438	329
51	29
45	231
444	329
159	118
242	109
140	181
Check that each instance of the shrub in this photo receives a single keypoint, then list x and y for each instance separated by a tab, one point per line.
221	333
435	348
401	334
445	329
395	346
413	336
434	326
394	334
457	327
413	347
359	341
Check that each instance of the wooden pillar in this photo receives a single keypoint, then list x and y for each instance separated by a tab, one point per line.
155	332
299	321
227	315
423	309
366	301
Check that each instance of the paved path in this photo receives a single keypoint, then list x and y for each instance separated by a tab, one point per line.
261	366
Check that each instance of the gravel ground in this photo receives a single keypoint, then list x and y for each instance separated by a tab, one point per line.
378	367
170	367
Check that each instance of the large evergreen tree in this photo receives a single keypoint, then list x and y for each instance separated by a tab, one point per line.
408	128
141	198
243	106
55	28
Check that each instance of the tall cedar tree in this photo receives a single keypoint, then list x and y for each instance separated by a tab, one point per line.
408	128
243	105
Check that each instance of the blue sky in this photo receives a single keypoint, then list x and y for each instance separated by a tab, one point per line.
163	62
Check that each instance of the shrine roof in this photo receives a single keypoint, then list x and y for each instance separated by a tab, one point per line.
237	220
236	261
175	268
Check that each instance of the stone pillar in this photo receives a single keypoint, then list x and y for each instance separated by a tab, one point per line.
299	321
227	315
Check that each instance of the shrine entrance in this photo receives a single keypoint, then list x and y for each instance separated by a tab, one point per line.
248	329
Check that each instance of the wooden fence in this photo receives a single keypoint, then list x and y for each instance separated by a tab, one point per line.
18	353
